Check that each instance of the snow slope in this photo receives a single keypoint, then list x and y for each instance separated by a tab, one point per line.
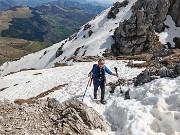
93	45
154	108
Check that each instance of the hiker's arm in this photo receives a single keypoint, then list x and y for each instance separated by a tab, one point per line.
91	73
109	72
115	74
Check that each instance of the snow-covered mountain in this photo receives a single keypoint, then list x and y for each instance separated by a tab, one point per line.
100	40
124	28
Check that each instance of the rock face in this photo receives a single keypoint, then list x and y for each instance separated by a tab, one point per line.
137	34
177	42
49	117
154	73
174	11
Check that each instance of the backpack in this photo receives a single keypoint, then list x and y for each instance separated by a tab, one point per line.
96	65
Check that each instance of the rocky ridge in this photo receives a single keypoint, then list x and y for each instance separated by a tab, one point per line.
137	34
49	117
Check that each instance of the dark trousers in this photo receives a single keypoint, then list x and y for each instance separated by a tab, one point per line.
102	86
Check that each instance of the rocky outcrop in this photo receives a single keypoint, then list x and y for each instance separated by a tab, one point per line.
177	42
137	34
84	58
59	52
49	117
154	73
90	32
174	11
160	15
115	9
87	26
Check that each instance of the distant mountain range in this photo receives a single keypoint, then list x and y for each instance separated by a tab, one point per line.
6	4
93	2
48	23
90	8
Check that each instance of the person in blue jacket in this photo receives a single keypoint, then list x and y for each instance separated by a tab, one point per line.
99	79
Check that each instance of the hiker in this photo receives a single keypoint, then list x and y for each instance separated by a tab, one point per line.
99	78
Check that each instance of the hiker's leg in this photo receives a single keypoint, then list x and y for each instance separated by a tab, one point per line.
95	90
102	85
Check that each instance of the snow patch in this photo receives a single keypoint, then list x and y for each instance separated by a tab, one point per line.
169	33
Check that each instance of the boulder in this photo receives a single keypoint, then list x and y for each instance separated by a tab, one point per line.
115	9
87	26
90	32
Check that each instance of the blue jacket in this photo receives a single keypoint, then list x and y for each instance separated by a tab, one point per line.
99	74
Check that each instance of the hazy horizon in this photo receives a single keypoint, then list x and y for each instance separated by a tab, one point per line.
105	1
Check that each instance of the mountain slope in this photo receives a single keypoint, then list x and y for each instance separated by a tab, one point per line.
6	4
76	5
47	23
64	21
32	3
95	44
13	49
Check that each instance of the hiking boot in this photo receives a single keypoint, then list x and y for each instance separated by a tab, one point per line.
103	102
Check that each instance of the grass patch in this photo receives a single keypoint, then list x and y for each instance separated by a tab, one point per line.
143	65
35	46
141	57
13	49
30	100
60	64
20	71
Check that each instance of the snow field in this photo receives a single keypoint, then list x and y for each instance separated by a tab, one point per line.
154	108
76	78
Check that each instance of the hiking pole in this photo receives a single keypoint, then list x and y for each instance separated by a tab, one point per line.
115	69
112	91
118	80
86	89
91	81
